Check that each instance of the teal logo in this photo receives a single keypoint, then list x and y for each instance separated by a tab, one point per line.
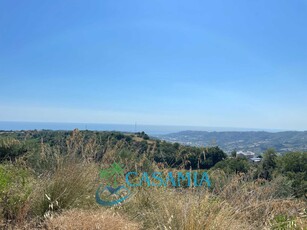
112	193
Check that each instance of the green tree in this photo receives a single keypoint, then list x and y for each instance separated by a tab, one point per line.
233	165
212	156
234	153
268	164
294	166
10	149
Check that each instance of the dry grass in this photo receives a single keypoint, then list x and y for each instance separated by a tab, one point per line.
235	202
160	208
260	202
90	219
77	219
240	204
72	185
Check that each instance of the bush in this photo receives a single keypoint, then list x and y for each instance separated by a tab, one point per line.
234	165
10	149
294	166
15	189
72	185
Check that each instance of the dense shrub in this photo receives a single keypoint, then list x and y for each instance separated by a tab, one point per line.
16	185
10	149
234	165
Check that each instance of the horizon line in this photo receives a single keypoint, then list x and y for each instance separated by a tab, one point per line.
188	127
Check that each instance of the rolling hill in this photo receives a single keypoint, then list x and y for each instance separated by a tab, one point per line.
256	141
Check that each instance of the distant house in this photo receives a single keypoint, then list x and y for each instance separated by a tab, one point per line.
255	159
247	154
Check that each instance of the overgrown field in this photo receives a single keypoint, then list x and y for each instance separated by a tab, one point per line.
48	180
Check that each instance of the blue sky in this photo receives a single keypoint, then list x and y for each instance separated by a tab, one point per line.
204	63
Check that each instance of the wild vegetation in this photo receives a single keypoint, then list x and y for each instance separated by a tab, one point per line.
48	180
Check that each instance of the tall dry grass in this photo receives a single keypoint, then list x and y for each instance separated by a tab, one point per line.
239	204
77	219
165	208
72	185
63	198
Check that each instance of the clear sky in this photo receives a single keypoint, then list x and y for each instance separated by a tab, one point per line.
214	63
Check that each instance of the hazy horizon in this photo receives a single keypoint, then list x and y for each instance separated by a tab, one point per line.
187	63
148	128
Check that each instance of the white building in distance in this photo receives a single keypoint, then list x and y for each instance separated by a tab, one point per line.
247	154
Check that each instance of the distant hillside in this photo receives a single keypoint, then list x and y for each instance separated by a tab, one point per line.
103	145
251	140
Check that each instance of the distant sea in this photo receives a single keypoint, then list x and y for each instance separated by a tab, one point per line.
149	129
